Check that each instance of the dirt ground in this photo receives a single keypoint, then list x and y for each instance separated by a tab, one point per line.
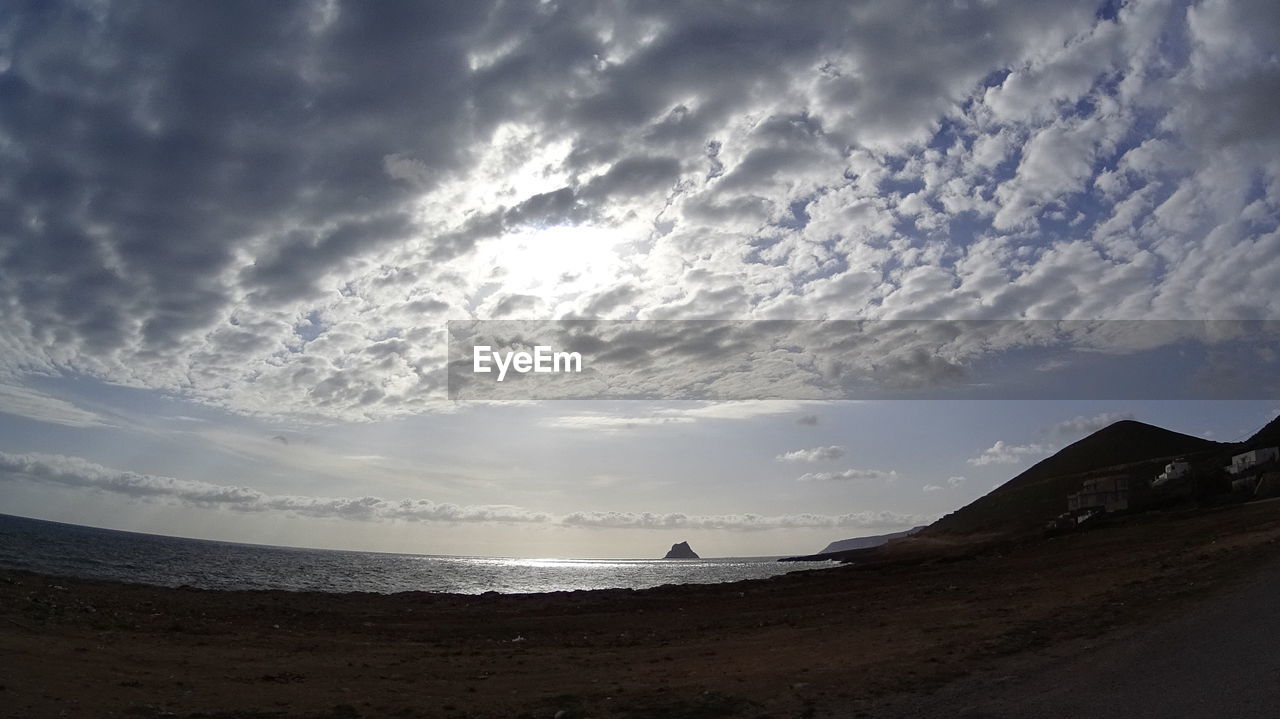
833	642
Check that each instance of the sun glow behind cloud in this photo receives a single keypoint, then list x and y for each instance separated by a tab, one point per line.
551	263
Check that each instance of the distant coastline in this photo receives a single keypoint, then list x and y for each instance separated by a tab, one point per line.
63	549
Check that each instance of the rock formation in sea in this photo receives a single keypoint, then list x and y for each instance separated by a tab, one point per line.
681	551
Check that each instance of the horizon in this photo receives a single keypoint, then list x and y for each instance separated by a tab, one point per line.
236	240
368	551
1001	460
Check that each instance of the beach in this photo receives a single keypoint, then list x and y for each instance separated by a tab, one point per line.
847	641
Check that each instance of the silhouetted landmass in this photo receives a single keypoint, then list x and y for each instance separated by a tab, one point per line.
681	551
1023	507
1268	436
858	548
845	545
1029	500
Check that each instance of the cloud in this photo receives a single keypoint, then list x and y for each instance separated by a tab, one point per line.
956	481
931	488
78	473
610	422
283	234
779	365
1003	453
1080	425
739	522
687	413
848	474
28	403
808	420
736	410
817	454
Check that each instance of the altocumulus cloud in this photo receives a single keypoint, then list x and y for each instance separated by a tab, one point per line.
76	472
285	233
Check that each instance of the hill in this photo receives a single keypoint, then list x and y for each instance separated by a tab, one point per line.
844	545
1029	500
1268	436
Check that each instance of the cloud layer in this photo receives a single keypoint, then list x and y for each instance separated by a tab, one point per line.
274	207
26	402
78	473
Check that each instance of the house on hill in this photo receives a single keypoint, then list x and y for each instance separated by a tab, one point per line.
1247	469
1173	471
1246	461
1108	494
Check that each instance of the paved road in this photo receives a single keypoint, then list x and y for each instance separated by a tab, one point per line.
1220	658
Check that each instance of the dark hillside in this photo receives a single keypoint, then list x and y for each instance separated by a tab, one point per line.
1268	436
1026	502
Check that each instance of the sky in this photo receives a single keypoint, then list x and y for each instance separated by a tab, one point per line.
232	235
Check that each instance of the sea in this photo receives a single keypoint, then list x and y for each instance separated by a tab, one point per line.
77	551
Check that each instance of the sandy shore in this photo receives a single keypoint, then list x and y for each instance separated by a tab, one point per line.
839	642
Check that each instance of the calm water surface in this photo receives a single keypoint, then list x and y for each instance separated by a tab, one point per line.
72	550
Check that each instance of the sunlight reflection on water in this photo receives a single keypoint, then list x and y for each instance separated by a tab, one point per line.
104	554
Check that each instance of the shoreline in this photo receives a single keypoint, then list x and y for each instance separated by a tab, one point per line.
75	551
825	643
7	573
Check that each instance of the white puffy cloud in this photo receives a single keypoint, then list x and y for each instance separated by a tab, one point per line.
1080	425
815	454
1003	453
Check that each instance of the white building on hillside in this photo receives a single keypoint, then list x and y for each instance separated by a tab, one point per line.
1246	461
1177	469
